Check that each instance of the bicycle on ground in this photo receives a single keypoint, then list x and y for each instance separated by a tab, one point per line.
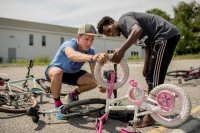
16	96
167	104
184	75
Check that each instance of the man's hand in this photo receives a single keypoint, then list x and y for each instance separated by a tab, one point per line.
117	56
101	89
101	58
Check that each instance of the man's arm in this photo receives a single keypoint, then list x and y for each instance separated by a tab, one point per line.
80	57
136	31
77	56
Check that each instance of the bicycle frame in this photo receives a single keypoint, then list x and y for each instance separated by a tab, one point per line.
13	84
184	75
192	74
28	85
147	104
17	93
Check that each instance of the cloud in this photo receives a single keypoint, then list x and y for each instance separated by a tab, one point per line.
75	12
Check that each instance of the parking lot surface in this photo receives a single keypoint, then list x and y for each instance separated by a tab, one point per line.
12	123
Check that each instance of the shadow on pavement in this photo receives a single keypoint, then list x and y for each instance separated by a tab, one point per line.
10	116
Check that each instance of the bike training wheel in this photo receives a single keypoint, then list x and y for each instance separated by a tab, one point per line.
178	73
17	106
85	107
179	113
121	69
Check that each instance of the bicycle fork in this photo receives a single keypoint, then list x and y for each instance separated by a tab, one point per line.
99	122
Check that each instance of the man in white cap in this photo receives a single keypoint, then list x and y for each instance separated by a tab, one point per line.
68	61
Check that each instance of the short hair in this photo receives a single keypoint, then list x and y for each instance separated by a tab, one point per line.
104	21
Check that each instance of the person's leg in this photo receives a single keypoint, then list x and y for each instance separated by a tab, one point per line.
160	59
153	71
159	62
84	80
148	55
55	75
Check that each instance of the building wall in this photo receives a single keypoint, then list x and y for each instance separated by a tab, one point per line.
108	45
19	40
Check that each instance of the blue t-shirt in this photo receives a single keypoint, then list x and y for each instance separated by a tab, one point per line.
62	61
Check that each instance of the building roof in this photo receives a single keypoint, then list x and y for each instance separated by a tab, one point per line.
6	22
21	24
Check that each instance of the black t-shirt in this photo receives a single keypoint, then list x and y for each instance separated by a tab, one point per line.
154	26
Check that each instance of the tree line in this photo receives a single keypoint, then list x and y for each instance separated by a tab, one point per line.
187	20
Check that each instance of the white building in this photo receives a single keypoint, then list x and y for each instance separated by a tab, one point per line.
28	40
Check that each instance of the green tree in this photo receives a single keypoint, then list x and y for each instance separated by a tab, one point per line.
160	13
187	19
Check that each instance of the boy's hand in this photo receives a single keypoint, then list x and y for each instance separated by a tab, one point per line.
101	58
118	55
101	89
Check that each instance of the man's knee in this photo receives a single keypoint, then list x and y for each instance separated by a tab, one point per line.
56	75
93	82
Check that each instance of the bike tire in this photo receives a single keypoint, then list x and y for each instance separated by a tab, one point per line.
98	73
11	109
171	118
96	104
177	73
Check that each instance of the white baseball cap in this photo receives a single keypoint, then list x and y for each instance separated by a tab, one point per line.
87	29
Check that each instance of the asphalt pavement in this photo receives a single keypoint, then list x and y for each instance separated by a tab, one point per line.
12	123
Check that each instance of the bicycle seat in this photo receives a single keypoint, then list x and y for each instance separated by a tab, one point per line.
36	91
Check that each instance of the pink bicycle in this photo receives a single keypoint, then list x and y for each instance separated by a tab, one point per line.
167	104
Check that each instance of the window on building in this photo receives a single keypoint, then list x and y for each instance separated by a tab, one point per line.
134	53
43	40
131	53
31	40
62	39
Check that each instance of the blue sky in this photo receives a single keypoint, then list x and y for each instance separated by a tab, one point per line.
73	13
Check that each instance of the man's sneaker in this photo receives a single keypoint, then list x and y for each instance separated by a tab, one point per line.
59	114
72	97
